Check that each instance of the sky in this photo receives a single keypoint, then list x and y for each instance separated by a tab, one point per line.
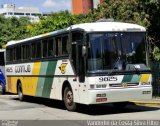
43	5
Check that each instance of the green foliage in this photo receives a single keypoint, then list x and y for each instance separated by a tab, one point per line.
53	22
156	53
12	29
153	9
123	11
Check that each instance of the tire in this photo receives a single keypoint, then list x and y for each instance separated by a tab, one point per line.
120	105
20	92
1	88
68	99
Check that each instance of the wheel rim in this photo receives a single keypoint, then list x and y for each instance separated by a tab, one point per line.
69	98
20	93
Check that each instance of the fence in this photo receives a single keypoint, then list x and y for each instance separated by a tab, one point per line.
156	78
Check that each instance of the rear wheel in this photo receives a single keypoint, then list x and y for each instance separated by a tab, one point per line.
1	88
20	93
69	100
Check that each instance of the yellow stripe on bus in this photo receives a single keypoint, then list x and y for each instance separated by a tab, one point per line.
36	70
144	77
45	34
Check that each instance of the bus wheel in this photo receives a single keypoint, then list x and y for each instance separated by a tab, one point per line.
1	88
20	93
68	99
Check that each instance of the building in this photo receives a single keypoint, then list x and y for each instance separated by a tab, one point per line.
10	10
96	3
84	6
81	6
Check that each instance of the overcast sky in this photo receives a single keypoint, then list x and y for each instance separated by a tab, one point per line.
43	5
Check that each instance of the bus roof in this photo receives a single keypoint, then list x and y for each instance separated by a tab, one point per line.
91	27
110	26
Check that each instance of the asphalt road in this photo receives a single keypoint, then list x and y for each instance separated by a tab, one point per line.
44	109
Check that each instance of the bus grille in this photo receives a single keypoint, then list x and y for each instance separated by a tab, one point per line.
122	85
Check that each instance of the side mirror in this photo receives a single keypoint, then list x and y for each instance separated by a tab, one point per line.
84	50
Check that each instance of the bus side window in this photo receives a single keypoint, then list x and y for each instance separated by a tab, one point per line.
11	54
38	49
65	41
33	50
51	47
58	46
45	48
18	53
14	54
8	58
26	52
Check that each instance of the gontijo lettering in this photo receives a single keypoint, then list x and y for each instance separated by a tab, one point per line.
23	69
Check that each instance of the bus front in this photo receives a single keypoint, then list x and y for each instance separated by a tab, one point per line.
117	67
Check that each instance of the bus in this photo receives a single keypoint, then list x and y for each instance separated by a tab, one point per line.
89	63
2	71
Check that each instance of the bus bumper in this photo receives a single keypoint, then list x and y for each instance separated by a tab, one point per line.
119	95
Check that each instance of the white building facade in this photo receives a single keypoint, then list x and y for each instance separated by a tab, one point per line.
10	10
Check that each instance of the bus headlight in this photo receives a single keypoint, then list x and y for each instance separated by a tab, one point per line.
145	83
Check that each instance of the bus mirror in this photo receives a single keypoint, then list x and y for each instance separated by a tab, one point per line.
84	50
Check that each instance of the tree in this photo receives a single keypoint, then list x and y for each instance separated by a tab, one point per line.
156	53
12	29
55	21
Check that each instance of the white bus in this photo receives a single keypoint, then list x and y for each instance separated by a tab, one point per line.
90	63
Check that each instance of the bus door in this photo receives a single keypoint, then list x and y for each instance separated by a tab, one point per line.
78	61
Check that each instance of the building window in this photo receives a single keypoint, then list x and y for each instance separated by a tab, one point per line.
18	13
34	14
10	13
27	14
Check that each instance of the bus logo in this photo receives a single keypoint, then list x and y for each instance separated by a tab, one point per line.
63	68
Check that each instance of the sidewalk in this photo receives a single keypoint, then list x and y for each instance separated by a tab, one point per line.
155	101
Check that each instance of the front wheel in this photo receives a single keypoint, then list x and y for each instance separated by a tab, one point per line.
20	93
69	100
2	88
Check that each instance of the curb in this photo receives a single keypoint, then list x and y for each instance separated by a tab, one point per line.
8	96
152	104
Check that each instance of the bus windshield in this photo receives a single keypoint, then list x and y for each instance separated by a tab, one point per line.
107	50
